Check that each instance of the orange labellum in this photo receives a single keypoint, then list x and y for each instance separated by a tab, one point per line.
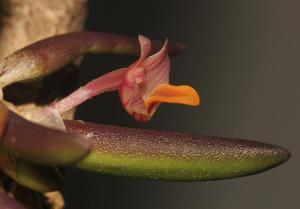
173	94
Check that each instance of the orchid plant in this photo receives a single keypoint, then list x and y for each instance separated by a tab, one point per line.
37	141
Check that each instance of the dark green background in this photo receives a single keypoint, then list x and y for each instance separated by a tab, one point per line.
243	58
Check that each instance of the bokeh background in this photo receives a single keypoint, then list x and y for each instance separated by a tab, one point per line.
243	58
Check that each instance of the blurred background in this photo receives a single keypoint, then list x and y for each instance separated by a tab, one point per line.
243	58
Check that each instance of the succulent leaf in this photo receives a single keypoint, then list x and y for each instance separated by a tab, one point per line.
51	54
170	155
40	144
38	178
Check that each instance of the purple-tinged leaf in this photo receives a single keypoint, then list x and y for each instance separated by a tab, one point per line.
40	144
48	55
172	156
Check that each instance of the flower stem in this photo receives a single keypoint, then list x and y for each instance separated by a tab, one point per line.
108	82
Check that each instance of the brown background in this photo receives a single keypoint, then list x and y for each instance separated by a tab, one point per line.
243	57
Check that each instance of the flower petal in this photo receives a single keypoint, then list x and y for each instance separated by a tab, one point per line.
157	57
132	100
156	75
172	94
145	47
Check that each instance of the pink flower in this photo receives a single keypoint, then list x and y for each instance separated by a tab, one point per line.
142	86
146	84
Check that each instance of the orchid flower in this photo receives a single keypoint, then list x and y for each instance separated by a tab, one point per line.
142	86
146	84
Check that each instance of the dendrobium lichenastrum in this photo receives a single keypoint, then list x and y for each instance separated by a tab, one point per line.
142	86
31	149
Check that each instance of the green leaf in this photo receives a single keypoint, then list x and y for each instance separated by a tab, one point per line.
172	156
38	178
